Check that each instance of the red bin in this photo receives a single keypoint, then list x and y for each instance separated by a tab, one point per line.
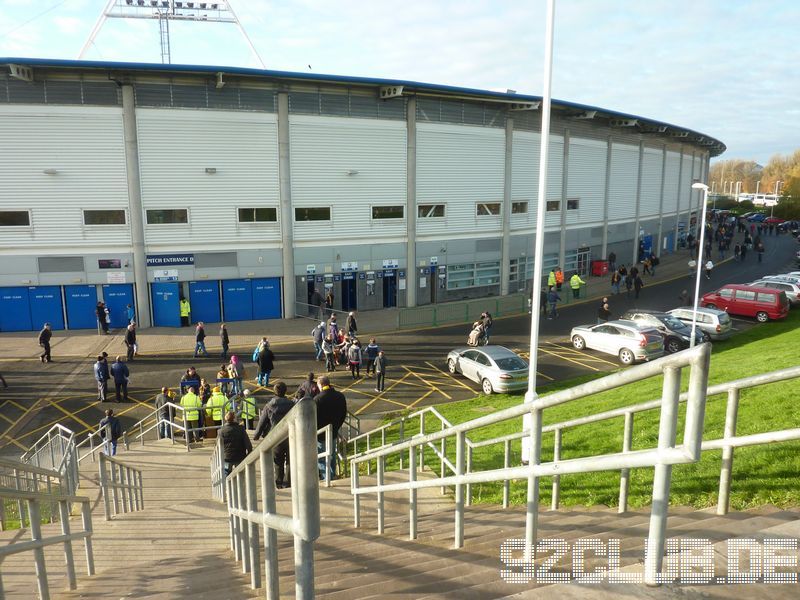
599	268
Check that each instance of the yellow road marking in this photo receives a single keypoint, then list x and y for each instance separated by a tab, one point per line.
378	397
17	404
14	424
568	359
420	399
69	414
443	393
585	356
451	377
15	442
6	418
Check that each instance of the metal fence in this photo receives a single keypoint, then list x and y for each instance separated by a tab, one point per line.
248	516
35	498
667	452
56	450
121	486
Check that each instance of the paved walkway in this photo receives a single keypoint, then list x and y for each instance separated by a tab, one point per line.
244	335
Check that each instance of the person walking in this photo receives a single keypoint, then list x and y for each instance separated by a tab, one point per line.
692	265
603	314
552	299
646	264
760	250
186	312
120	373
743	252
235	442
266	360
190	401
543	302
654	261
629	282
329	301
130	340
638	284
237	372
575	282
709	268
551	279
101	376
331	410
612	261
328	351
44	341
486	319
333	328
379	367
100	311
736	252
372	350
559	278
163	413
110	430
224	340
200	340
616	280
273	412
354	359
318	335
130	314
249	410
318	302
215	407
684	299
350	325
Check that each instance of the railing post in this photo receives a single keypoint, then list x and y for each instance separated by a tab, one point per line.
422	446
305	481
624	474
459	496
270	535
534	458
412	494
328	453
668	422
731	416
103	476
506	465
86	517
368	462
63	513
252	506
38	553
125	441
468	500
141	431
442	466
114	493
381	467
356	497
231	494
556	478
244	524
186	430
91	446
402	438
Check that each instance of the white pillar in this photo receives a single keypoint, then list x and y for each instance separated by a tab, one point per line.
287	218
411	202
505	253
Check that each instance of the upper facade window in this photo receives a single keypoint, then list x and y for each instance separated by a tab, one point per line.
519	208
387	212
258	215
104	217
429	211
15	218
312	213
553	205
169	216
484	209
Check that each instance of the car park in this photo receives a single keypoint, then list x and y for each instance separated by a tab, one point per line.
495	368
626	340
677	336
716	324
791	287
748	301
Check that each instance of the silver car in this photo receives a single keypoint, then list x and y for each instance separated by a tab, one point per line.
626	340
496	368
789	285
716	324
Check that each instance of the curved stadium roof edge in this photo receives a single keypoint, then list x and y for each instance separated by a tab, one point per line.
714	146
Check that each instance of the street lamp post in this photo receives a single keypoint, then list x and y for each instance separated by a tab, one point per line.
699	186
758	184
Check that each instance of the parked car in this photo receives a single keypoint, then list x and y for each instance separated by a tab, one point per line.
757	218
716	324
790	286
791	277
624	339
496	368
773	220
759	302
677	336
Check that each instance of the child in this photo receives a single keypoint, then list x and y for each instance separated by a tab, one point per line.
372	350
354	358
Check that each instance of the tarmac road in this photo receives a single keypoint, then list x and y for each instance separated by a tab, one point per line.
65	392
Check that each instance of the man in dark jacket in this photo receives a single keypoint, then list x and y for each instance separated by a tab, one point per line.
350	325
130	340
44	341
200	340
101	376
277	408
120	373
164	413
235	442
266	358
110	430
331	410
224	340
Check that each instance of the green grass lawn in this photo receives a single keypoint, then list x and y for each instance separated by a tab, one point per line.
761	475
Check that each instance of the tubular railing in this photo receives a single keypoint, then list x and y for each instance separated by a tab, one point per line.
35	500
56	450
667	452
21	477
121	486
248	516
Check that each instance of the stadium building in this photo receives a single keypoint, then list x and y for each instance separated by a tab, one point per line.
244	190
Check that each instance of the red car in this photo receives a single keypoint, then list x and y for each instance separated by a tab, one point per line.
774	220
749	301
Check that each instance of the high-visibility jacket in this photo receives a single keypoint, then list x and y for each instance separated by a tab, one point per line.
249	410
559	276
215	405
191	400
185	308
575	282
551	279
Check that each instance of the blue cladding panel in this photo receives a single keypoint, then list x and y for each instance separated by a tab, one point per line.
166	310
237	298
204	298
15	311
267	298
81	306
46	306
117	296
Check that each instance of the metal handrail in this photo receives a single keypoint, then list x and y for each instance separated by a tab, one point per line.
246	517
667	452
56	448
123	489
33	500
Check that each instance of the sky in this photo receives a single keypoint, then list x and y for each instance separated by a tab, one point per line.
726	68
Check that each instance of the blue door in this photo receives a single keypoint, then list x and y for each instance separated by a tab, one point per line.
237	298
15	311
349	291
267	298
204	299
166	307
81	303
669	246
389	289
46	306
117	296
